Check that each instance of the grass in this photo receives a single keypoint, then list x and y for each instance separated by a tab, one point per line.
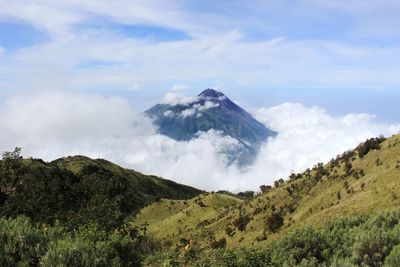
310	203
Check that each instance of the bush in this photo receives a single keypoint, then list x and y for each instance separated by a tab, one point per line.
221	243
21	243
241	222
370	144
372	247
275	222
229	231
393	259
307	243
24	244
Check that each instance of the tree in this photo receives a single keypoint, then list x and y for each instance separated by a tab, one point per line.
246	194
12	170
348	168
265	188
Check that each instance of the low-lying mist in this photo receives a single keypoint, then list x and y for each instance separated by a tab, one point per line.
54	124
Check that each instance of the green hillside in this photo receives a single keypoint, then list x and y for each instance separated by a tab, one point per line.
362	181
78	190
173	219
95	213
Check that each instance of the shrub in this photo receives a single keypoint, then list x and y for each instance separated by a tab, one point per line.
241	222
371	247
21	243
393	259
221	243
24	244
265	188
370	144
229	231
275	222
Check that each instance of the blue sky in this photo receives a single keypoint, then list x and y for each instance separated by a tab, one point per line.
341	55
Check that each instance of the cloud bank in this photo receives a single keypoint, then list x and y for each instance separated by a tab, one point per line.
55	124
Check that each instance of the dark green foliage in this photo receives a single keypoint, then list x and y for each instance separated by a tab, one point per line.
370	144
393	259
220	243
246	194
241	222
348	168
265	188
24	244
78	190
279	182
229	231
319	171
274	222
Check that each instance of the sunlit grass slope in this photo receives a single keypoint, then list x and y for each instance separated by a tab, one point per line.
364	180
173	219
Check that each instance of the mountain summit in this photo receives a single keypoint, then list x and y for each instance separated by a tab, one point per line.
182	120
211	93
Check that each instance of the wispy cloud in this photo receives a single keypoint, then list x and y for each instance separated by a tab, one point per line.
253	44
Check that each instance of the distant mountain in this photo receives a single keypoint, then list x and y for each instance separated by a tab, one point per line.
212	110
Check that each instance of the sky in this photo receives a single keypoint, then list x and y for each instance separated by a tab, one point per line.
333	62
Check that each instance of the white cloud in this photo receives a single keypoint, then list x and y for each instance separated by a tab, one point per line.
172	99
54	124
169	113
196	109
188	112
217	49
207	105
179	87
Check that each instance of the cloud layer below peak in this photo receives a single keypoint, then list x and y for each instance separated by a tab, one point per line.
55	124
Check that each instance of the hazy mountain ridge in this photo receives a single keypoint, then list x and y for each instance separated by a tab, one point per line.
212	110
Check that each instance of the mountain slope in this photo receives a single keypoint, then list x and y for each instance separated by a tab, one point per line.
361	181
79	190
168	218
212	110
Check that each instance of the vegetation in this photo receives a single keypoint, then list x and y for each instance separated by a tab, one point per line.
347	186
76	211
77	190
23	243
72	211
365	240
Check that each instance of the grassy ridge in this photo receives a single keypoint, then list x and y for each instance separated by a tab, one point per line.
357	182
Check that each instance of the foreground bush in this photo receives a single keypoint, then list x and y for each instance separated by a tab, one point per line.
25	244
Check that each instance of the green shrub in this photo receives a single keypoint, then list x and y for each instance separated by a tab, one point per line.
275	222
371	247
241	222
21	243
393	259
25	244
